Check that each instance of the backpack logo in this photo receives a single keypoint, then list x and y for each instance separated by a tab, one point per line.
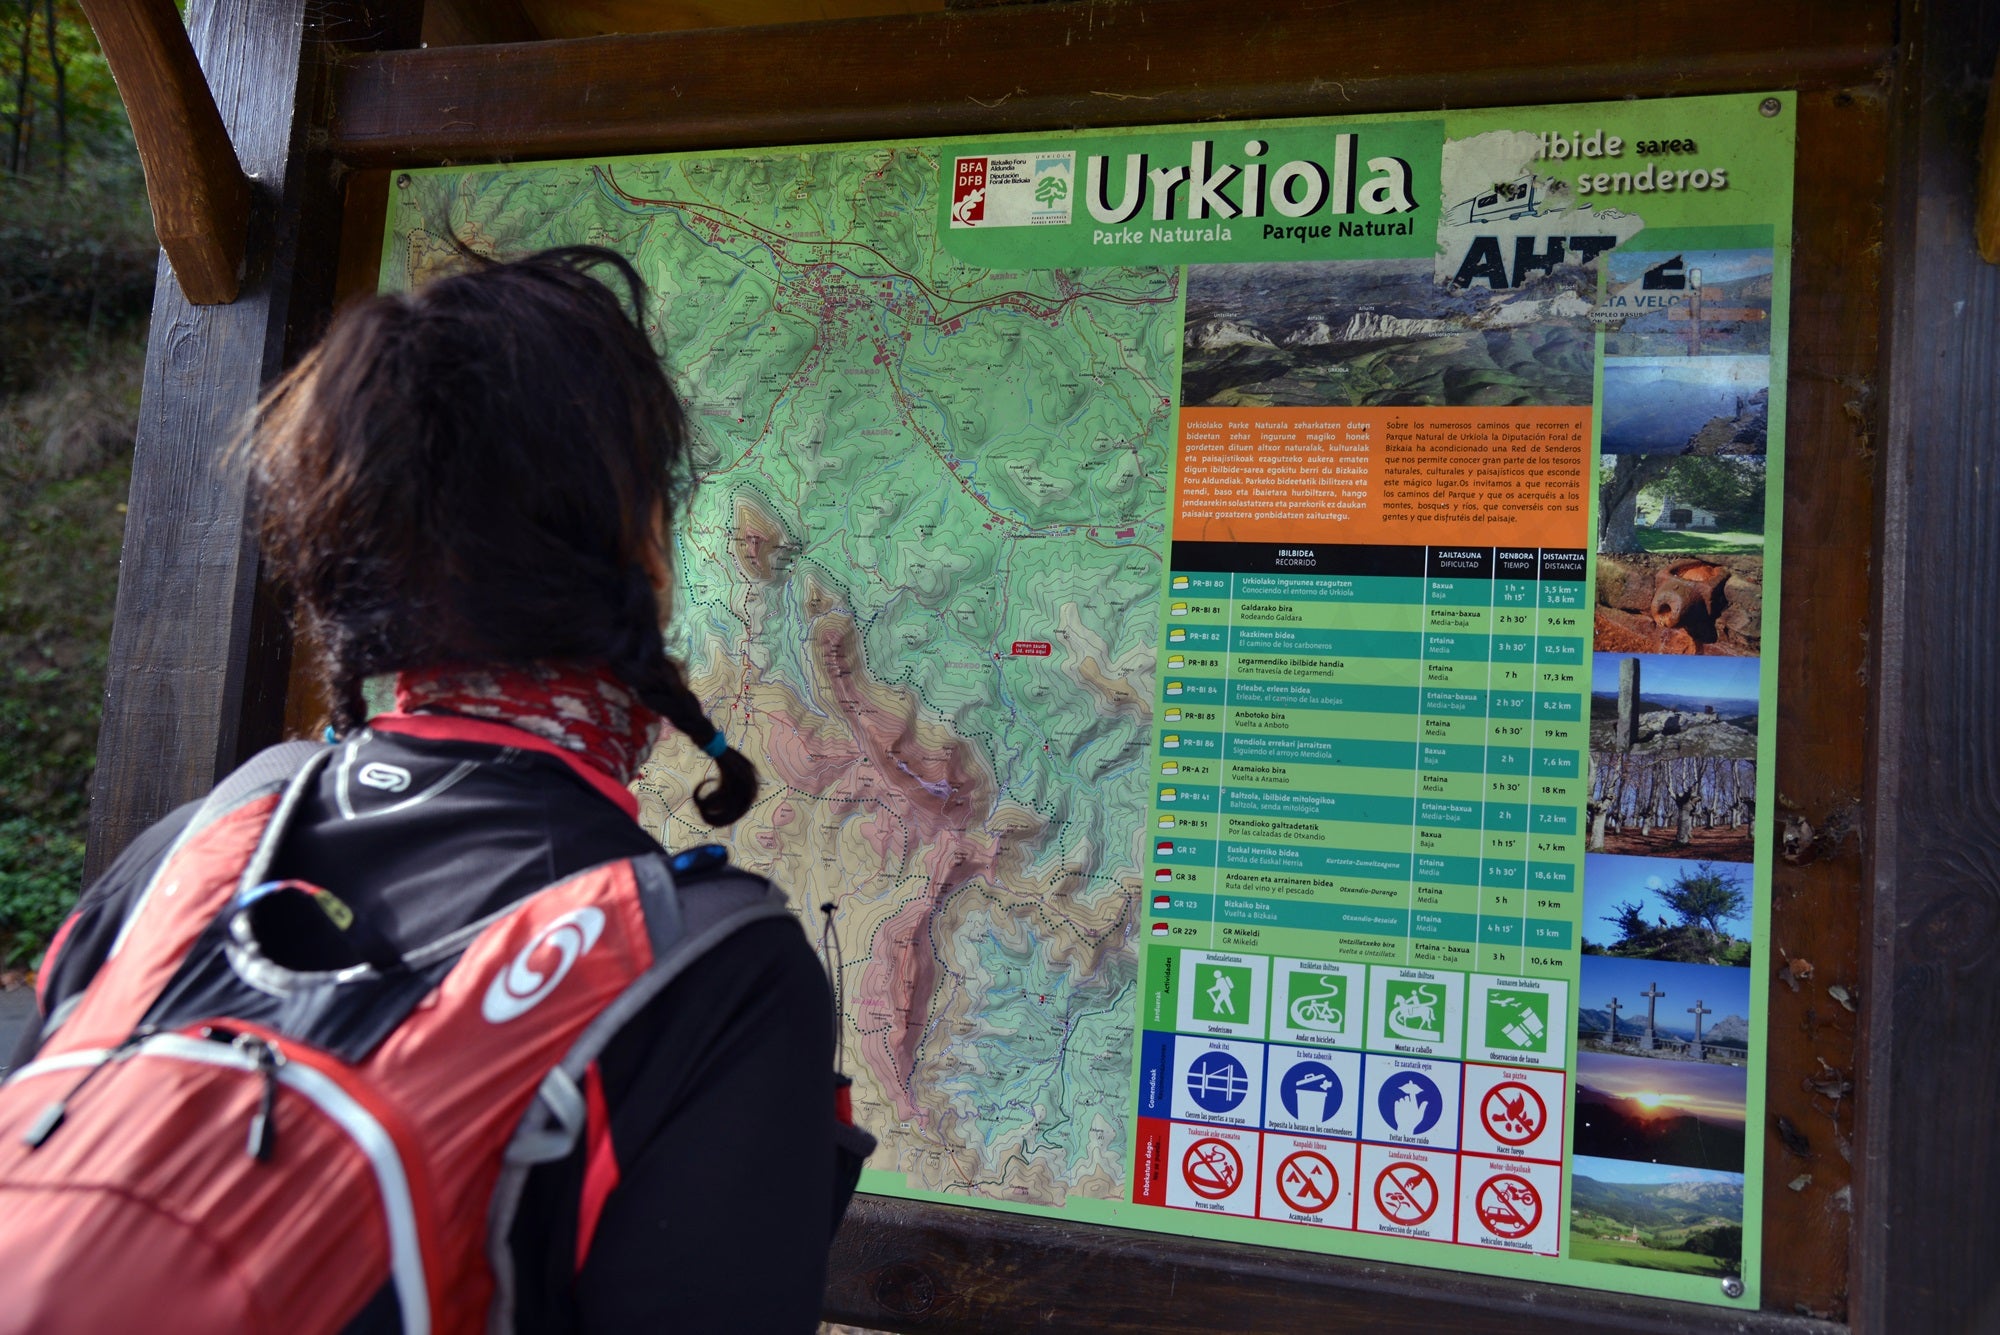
388	778
520	987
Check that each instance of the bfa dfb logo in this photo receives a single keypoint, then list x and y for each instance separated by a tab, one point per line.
1014	190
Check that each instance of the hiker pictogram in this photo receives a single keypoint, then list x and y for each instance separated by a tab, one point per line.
1211	1168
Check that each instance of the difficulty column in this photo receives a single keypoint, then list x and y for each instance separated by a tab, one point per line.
1451	757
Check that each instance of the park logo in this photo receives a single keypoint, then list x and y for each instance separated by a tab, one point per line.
1013	190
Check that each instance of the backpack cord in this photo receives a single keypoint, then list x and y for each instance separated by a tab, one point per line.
836	972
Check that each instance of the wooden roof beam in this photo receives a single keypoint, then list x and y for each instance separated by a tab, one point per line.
200	197
1040	66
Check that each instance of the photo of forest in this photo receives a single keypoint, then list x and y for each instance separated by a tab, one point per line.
1672	806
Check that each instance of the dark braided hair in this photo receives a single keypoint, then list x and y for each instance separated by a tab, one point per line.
484	471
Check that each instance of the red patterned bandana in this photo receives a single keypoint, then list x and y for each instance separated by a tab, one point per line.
581	709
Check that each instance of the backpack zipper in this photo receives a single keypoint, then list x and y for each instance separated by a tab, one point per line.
215	1045
52	1115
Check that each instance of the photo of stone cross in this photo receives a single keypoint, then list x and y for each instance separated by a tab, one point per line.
1614	1008
1652	994
1697	1010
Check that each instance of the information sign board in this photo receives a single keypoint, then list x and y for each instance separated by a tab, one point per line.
1260	632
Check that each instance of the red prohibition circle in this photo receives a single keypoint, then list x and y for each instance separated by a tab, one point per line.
1211	1168
1509	1206
1506	1108
1306	1199
1399	1204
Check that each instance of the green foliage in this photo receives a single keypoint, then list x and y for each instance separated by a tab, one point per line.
1706	897
77	261
1724	1242
1731	486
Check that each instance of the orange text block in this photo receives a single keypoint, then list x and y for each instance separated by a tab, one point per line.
1491	477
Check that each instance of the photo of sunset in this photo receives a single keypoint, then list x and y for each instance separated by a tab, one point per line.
1681	1113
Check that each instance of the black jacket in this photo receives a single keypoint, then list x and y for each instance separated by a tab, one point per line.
732	1169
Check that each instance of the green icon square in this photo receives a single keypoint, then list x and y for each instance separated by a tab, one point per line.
1316	1002
1517	1021
1415	1010
1222	994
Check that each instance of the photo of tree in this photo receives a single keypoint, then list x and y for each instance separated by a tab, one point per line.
1645	908
1680	503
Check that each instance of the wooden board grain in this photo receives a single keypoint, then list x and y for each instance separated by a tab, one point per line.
1018	67
1821	749
913	1268
199	649
1929	1160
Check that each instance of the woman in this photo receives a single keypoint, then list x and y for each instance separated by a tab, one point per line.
470	487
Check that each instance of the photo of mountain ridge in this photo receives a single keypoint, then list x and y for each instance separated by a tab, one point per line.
1382	333
1656	1218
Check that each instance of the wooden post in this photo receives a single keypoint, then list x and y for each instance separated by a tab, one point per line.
201	202
1628	704
1987	224
1926	1230
198	652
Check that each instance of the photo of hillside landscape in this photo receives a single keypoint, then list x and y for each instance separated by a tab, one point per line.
1660	1218
1733	317
1383	333
1686	405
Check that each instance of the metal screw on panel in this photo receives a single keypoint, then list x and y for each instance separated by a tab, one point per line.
1770	106
403	181
1732	1287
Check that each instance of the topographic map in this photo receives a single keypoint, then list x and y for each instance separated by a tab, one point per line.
919	587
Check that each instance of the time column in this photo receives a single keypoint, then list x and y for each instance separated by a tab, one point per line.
1561	763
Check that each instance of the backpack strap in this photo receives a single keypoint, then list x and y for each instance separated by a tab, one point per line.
685	923
287	765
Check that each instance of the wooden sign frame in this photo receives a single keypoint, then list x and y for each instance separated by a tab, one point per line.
1885	909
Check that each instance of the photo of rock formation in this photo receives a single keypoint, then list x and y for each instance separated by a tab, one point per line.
1686	405
1671	603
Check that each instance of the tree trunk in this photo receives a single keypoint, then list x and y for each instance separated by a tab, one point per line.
1618	500
59	71
17	157
1599	814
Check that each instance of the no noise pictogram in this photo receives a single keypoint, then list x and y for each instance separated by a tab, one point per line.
1406	1194
1513	1113
1308	1182
1211	1168
1509	1206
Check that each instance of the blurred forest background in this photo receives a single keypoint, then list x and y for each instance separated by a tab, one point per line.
77	260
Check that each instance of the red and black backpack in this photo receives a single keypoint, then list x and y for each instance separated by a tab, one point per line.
162	1172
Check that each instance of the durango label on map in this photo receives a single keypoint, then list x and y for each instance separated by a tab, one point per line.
1259	632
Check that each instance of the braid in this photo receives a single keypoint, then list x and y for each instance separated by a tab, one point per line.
343	678
641	662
